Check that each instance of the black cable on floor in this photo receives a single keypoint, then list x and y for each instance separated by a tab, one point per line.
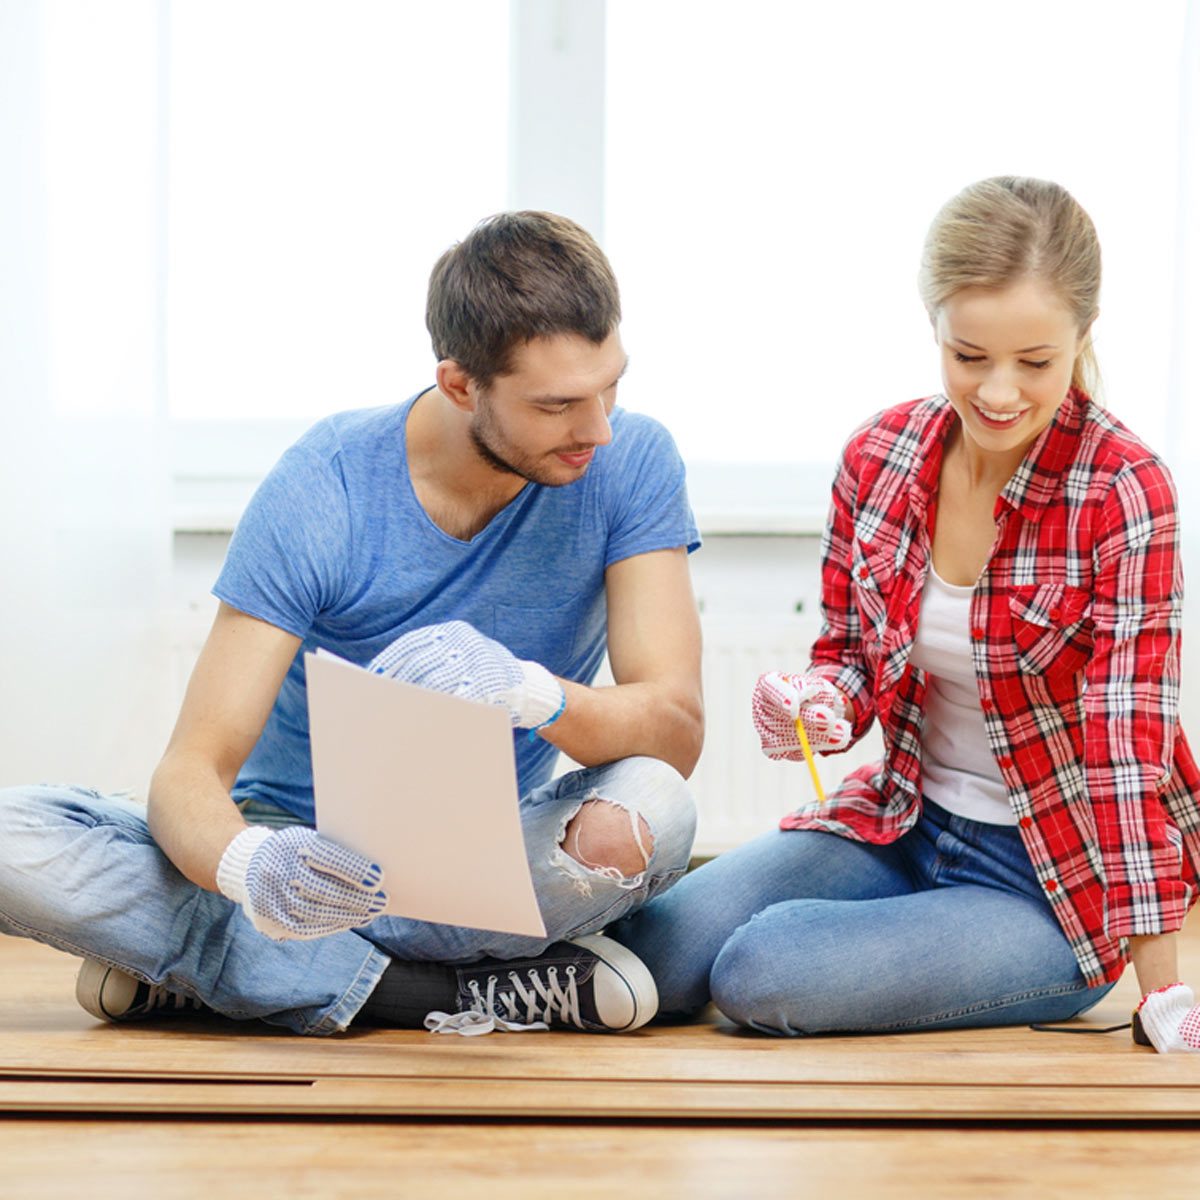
1078	1029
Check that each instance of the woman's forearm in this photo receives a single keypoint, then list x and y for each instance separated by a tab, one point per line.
1156	961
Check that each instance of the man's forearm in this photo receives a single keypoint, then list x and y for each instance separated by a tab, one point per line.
603	724
192	817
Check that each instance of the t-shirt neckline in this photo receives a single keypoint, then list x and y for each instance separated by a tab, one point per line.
500	519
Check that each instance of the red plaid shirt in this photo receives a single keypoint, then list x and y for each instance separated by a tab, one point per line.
1075	636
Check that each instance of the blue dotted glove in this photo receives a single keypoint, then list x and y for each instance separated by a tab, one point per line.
294	884
457	658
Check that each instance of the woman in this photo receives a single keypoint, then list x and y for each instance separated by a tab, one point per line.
1001	589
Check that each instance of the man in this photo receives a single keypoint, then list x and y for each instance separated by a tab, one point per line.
488	538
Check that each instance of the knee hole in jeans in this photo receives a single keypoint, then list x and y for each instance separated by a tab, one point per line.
606	837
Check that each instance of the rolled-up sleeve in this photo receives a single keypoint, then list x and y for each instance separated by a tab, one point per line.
837	654
1131	701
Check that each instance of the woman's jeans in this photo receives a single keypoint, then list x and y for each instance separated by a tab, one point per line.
80	871
802	932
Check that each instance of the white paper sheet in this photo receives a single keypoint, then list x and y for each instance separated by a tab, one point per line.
426	785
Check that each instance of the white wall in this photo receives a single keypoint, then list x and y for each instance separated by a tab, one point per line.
84	534
100	614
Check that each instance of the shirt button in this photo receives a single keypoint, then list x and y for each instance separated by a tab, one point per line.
1055	613
986	704
1052	885
977	632
1004	762
1026	822
864	572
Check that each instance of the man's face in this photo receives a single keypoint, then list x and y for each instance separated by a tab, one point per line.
544	419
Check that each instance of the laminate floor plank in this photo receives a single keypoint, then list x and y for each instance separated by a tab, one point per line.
196	1160
192	1108
599	1100
54	1056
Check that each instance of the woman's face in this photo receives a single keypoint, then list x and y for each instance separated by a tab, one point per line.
1007	359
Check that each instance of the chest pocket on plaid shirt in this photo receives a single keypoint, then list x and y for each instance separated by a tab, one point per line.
1052	628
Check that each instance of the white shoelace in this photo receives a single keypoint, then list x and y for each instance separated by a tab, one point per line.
542	1001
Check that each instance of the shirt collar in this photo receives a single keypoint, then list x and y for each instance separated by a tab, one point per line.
929	457
1033	484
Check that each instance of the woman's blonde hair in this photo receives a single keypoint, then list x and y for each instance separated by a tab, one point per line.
999	231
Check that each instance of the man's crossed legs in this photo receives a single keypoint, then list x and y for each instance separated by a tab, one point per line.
81	872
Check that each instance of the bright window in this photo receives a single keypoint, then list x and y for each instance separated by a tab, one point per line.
321	156
98	132
772	170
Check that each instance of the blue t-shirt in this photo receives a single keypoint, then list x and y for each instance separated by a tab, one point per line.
335	548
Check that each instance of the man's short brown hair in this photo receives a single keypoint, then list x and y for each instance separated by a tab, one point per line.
515	277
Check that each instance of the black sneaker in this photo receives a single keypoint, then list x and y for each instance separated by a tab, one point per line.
591	984
112	995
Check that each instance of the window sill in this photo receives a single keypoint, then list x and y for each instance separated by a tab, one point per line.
729	499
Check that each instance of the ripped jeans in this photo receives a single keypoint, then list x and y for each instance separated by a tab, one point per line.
80	872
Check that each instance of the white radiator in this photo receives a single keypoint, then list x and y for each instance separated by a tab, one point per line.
740	793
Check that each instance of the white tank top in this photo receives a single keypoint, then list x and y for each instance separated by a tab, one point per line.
959	770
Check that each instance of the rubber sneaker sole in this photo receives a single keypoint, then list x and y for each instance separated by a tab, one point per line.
623	990
105	992
110	994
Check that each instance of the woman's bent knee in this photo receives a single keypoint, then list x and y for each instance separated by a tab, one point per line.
747	985
781	972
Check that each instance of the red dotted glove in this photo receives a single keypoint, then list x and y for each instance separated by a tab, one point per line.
1171	1019
780	699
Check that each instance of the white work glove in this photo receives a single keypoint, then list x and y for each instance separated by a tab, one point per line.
779	700
1171	1019
294	884
458	659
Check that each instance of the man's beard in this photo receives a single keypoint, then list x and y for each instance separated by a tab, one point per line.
482	431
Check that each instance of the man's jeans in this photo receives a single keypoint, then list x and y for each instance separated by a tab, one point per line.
803	932
80	871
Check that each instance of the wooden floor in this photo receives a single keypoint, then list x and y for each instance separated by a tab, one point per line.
184	1107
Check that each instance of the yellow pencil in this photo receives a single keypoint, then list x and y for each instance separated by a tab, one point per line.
808	758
